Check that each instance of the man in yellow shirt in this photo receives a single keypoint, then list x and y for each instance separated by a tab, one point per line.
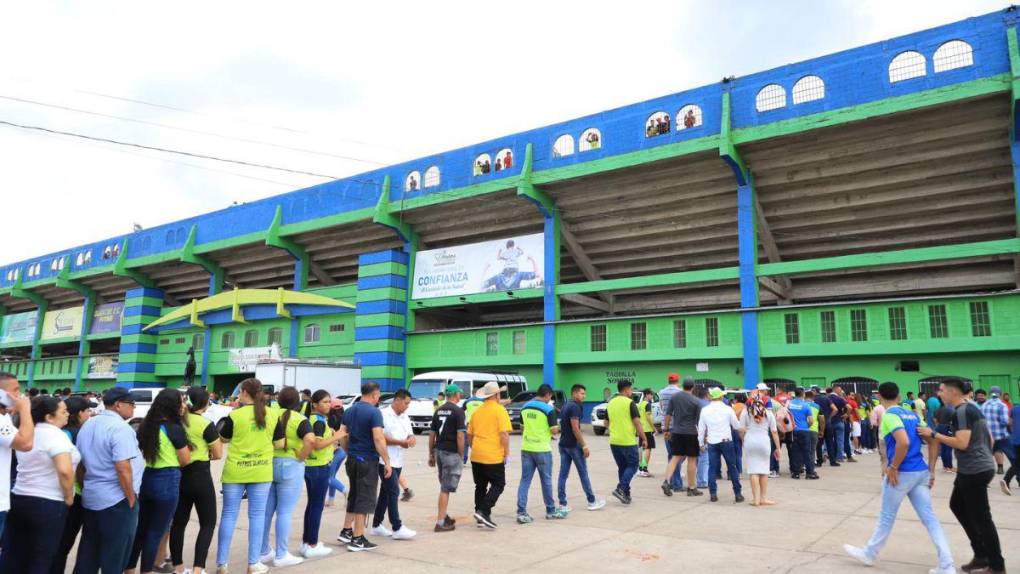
489	433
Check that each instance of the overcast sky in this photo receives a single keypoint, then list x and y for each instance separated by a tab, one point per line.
360	84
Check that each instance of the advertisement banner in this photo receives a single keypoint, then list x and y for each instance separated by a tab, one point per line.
19	327
245	359
497	265
106	318
62	323
103	367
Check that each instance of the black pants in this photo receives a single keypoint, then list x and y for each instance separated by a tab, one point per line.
1015	465
389	498
197	491
106	539
29	543
75	515
490	480
969	503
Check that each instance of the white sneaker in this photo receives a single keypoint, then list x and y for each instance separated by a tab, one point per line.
404	533
937	570
258	568
267	557
599	504
859	555
380	531
564	508
287	560
316	551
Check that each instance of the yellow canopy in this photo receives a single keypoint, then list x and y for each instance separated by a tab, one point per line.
241	297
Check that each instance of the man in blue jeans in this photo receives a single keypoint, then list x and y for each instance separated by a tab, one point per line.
574	450
538	425
715	434
625	434
906	476
838	452
676	481
801	457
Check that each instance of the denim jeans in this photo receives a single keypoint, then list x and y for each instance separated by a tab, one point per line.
945	451
738	451
626	458
701	473
866	434
30	543
258	493
543	463
727	450
801	457
157	503
838	430
848	447
915	486
107	536
574	455
288	478
317	483
389	498
334	467
830	441
676	482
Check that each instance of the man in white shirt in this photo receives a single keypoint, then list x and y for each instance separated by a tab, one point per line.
399	438
715	434
18	438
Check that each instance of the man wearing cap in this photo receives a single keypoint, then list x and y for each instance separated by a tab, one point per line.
624	423
676	480
446	452
538	425
489	432
715	434
113	467
997	415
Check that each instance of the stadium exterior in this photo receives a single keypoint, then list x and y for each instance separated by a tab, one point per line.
851	217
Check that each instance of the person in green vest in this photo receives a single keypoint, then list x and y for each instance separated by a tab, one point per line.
648	428
288	472
252	432
538	425
624	422
164	446
317	473
470	405
196	484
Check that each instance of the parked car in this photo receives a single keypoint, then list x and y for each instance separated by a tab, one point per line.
143	398
599	415
514	408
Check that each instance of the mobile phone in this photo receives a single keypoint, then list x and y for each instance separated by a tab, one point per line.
5	400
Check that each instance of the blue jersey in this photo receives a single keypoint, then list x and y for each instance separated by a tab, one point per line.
900	418
800	411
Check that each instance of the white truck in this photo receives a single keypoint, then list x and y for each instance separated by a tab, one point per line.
337	378
425	387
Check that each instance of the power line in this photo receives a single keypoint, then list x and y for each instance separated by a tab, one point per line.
164	150
187	130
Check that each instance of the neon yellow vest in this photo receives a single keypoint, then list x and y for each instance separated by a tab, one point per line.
293	441
250	453
322	456
195	431
621	427
645	425
166	456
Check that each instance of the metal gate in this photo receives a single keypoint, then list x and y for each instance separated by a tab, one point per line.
863	385
931	384
777	386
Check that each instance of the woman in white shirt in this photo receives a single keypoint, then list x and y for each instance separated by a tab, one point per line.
43	492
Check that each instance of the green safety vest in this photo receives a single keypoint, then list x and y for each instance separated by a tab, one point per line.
166	456
470	406
195	431
322	456
814	412
621	427
536	434
645	425
250	454
293	441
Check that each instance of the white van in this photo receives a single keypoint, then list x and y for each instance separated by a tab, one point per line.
426	386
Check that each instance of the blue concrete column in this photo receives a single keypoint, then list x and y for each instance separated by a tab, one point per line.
380	341
137	365
748	264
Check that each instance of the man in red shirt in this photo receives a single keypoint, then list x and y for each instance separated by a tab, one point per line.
855	422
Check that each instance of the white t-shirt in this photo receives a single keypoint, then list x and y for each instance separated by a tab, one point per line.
397	427
7	433
36	474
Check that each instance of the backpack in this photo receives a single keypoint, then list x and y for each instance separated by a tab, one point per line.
784	420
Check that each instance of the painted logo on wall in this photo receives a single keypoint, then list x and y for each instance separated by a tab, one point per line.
18	328
106	318
62	323
497	265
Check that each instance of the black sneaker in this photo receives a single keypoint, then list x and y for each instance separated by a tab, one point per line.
484	519
974	564
620	495
449	521
345	536
739	498
819	462
361	544
694	492
714	498
795	476
627	499
444	527
834	463
666	488
408	495
813	476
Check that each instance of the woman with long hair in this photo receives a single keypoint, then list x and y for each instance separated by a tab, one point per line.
757	423
42	494
251	430
288	475
78	411
164	445
317	474
197	488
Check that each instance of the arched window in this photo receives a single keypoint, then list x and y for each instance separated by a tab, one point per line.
312	333
807	89
180	235
431	177
482	165
53	264
657	124
412	181
504	159
563	146
227	340
170	237
590	139
688	117
953	54
251	338
79	259
771	97
906	65
276	333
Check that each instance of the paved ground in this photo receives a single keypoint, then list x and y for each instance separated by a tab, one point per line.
804	533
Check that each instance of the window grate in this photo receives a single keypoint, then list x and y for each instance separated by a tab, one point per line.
980	321
657	124
491	344
953	54
680	334
591	139
711	332
907	65
937	321
808	89
598	338
638	336
771	97
431	177
897	324
520	342
858	325
688	117
564	146
792	323
828	326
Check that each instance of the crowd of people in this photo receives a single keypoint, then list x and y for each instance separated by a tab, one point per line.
129	494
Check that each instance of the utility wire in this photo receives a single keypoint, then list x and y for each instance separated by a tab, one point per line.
164	150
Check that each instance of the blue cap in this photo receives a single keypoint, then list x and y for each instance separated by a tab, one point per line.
117	394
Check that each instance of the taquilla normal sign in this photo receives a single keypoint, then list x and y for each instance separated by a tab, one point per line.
497	265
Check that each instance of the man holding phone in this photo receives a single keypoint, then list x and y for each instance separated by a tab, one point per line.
12	437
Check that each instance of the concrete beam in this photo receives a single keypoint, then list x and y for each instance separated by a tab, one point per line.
590	302
585	264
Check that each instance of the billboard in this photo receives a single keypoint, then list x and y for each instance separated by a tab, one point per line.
497	265
62	323
19	327
106	318
103	367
